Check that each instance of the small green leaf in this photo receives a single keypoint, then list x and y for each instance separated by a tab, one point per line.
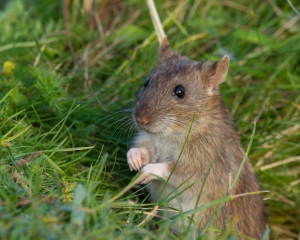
50	52
130	34
252	36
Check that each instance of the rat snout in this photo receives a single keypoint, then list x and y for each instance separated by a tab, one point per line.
143	120
143	116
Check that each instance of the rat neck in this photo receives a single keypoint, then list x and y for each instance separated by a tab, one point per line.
215	125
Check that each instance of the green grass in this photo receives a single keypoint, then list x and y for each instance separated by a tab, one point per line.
62	98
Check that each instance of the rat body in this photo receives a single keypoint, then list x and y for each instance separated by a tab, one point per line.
174	92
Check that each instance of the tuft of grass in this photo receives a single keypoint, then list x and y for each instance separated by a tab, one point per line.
64	132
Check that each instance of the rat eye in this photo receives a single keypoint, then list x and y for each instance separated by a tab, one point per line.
179	91
146	82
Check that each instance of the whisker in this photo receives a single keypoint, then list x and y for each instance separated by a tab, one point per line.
115	123
121	126
108	117
131	131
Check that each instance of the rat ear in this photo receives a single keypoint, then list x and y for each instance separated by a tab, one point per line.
220	73
165	50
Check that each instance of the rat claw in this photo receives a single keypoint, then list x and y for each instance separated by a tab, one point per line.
146	180
138	165
134	166
136	158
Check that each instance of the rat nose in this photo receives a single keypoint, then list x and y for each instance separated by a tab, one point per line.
143	120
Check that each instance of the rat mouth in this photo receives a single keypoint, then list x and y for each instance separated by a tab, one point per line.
153	127
151	131
146	125
148	128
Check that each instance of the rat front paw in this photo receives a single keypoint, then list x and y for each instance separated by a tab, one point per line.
147	173
137	157
154	171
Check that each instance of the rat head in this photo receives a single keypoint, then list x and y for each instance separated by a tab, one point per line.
177	89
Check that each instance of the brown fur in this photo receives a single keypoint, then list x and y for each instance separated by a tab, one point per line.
213	137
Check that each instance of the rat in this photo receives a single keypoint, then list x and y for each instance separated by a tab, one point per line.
175	92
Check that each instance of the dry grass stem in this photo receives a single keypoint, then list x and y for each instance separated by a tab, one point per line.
18	178
22	162
100	28
286	26
293	7
38	57
149	216
275	7
279	230
295	182
279	163
280	197
235	5
88	6
155	20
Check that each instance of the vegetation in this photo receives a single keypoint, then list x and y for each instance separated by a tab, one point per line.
72	68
